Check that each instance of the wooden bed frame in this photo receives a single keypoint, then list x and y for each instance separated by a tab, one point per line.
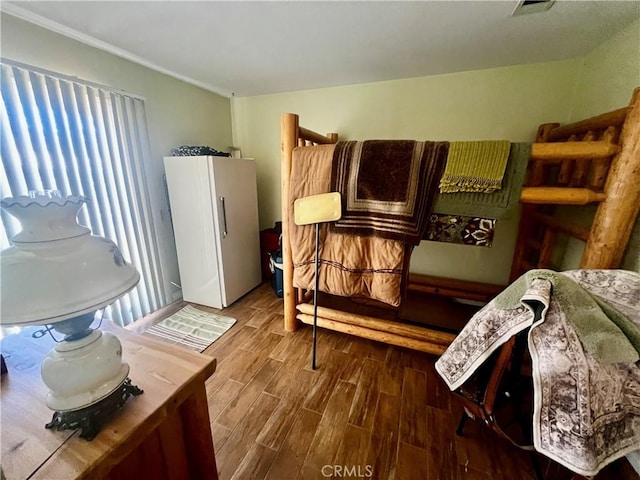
592	161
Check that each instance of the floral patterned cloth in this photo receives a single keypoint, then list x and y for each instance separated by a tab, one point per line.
477	231
586	410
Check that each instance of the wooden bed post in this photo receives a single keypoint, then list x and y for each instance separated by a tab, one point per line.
616	215
288	141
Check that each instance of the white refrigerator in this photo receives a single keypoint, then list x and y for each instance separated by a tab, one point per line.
214	210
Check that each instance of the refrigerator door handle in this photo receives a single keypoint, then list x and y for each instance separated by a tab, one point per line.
224	218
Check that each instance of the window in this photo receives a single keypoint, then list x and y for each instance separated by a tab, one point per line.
60	133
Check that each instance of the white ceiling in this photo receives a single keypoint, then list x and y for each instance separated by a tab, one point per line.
252	48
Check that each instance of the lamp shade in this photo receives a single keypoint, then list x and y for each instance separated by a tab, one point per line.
56	269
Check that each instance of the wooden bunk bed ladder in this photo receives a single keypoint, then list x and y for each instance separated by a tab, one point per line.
593	161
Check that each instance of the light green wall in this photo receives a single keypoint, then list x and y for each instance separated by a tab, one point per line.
177	113
606	80
608	75
498	103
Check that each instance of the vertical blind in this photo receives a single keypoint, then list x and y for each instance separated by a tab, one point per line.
59	133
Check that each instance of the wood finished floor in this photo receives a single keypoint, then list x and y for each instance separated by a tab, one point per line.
379	410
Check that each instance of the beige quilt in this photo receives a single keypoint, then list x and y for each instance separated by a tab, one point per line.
350	266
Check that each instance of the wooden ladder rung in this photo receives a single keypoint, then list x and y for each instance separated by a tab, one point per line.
561	226
560	196
615	118
307	134
533	243
556	152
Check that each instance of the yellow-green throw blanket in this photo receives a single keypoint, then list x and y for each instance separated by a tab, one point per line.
475	166
501	204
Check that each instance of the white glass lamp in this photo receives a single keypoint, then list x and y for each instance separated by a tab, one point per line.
58	274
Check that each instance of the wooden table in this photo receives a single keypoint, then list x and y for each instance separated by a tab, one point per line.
163	433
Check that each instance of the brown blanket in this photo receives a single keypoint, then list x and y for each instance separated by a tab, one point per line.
387	187
350	265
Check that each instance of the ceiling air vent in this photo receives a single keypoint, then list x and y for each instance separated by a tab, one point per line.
525	7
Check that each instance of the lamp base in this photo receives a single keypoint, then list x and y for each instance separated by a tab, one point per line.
90	419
